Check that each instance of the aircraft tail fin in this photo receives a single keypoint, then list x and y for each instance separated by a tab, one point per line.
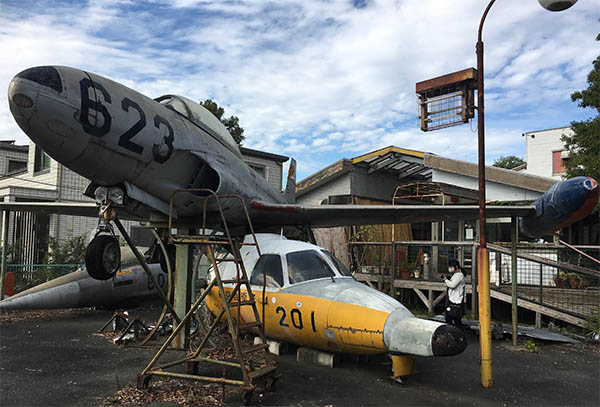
290	187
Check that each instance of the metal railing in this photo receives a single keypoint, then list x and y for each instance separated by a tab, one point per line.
554	276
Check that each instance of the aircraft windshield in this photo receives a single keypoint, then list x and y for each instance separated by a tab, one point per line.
342	269
198	114
272	264
307	265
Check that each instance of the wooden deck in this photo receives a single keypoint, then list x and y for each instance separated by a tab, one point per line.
557	301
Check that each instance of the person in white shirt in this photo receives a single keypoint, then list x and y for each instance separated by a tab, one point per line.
455	298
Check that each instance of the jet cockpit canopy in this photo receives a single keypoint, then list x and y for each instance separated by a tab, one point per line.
200	116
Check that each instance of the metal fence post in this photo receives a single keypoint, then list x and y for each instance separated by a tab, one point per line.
474	290
541	278
5	218
513	263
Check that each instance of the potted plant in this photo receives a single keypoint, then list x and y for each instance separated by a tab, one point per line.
406	268
573	280
560	279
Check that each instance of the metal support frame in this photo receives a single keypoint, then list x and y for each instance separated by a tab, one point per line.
123	323
144	265
250	376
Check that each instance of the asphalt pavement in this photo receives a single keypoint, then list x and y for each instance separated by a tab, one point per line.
55	359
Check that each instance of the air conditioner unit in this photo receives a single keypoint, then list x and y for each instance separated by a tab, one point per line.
564	154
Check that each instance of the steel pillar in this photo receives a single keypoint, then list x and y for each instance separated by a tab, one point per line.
485	333
513	278
5	217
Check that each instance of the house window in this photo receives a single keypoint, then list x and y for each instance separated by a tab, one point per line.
41	161
260	169
557	163
16	166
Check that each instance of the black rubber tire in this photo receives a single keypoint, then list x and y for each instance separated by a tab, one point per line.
161	258
103	257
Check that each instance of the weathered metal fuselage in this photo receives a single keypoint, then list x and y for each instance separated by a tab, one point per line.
116	136
130	286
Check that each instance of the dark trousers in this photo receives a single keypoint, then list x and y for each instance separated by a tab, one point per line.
457	322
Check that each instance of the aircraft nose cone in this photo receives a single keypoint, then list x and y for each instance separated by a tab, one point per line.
44	75
46	108
21	93
448	340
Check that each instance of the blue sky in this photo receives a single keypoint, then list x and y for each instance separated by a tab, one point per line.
320	80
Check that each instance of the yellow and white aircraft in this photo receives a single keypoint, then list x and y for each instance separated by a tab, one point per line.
311	299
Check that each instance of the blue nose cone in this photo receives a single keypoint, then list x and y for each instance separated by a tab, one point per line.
565	202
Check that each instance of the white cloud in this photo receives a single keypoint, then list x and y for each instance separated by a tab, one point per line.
313	75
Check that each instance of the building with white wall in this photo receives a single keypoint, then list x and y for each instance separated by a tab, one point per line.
268	165
13	158
545	156
545	152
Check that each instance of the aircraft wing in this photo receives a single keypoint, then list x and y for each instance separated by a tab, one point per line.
89	209
266	214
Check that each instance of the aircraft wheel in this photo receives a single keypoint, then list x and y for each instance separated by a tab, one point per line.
171	254
103	257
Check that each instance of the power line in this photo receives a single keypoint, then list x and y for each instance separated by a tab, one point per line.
44	183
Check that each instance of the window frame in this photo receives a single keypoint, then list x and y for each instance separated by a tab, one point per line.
256	167
281	269
319	256
41	161
562	169
22	163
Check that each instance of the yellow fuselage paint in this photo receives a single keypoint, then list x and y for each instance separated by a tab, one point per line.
314	322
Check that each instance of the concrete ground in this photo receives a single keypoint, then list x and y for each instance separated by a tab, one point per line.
56	360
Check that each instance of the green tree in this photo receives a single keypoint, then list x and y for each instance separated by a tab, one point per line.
232	123
508	162
584	144
71	251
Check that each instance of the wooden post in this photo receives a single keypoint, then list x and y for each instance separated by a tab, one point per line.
183	289
435	236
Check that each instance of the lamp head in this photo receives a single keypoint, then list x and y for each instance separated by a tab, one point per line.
556	5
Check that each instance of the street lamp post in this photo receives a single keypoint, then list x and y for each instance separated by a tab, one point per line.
483	269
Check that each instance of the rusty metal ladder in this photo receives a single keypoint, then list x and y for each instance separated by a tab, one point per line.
250	375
